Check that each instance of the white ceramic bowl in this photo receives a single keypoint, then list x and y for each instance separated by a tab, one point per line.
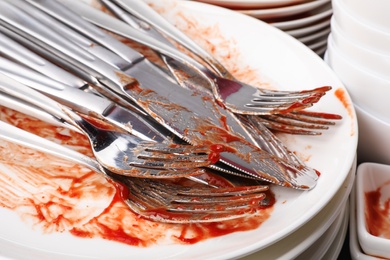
373	12
364	33
372	193
374	138
369	91
369	59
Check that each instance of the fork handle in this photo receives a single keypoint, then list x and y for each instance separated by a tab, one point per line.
15	89
68	17
114	25
143	11
21	137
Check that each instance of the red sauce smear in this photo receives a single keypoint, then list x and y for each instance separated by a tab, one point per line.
342	96
85	203
377	213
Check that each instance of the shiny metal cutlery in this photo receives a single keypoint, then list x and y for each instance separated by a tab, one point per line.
236	96
120	152
301	122
148	196
189	115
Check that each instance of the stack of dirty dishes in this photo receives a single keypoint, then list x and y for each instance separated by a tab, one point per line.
306	20
359	53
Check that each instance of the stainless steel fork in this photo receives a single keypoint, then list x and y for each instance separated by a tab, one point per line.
301	122
119	152
180	204
235	95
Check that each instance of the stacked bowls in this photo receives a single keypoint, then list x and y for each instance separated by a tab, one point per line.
306	20
359	53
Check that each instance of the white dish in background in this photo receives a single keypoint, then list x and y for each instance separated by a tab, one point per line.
320	43
373	12
338	242
373	177
322	246
250	4
368	90
314	36
279	61
272	13
321	51
313	16
354	246
358	30
302	240
376	147
305	31
370	60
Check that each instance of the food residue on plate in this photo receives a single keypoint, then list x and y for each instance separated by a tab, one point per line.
54	195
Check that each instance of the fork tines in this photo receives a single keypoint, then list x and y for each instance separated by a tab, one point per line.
188	205
171	157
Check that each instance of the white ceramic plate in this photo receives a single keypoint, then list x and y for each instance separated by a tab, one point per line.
279	61
322	245
247	4
318	43
305	31
302	240
315	36
272	13
313	16
338	242
321	51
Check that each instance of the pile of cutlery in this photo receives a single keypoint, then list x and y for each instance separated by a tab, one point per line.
149	125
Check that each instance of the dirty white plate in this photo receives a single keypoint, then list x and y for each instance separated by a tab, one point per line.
278	61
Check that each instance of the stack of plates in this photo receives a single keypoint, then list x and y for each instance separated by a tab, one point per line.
359	53
306	20
302	224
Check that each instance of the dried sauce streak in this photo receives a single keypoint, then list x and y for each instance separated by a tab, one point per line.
342	96
66	197
377	213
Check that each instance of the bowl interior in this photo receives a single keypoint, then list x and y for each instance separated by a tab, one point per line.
373	208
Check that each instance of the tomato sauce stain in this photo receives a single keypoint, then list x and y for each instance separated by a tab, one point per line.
55	195
377	213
